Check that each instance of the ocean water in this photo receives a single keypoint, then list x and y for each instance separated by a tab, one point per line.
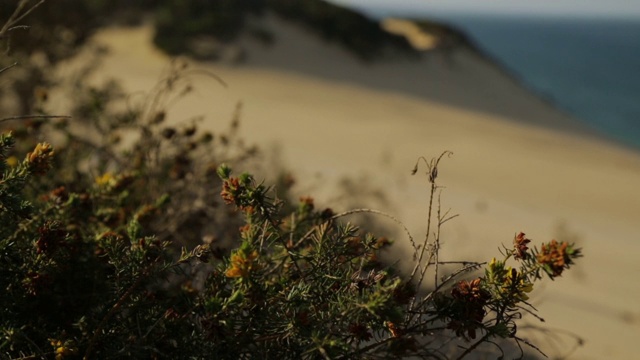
587	67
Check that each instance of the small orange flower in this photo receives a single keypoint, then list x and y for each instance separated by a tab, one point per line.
554	257
241	264
393	329
230	189
306	204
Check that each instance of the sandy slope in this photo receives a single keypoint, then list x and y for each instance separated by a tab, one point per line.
518	164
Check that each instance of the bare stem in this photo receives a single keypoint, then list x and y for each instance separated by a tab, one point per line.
23	117
19	14
8	67
436	249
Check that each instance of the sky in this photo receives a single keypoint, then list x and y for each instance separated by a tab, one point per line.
590	8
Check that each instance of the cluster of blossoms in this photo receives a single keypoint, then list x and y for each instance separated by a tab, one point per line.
555	257
242	263
503	288
240	190
552	258
63	349
231	188
510	285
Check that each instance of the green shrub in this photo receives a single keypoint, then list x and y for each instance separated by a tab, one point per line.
80	278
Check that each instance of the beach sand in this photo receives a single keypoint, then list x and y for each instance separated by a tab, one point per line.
517	165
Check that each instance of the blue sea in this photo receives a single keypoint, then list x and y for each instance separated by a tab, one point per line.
589	67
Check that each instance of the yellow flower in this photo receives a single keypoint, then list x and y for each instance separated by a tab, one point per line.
12	161
61	352
63	349
55	343
39	160
41	150
104	179
516	285
495	271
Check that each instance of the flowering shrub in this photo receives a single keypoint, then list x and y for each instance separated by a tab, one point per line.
104	255
83	279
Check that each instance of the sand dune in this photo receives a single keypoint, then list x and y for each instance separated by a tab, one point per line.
518	164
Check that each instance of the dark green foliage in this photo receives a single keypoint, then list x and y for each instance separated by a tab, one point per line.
69	23
179	21
354	31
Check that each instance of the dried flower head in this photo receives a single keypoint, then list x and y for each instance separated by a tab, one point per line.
520	246
202	252
470	291
470	299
